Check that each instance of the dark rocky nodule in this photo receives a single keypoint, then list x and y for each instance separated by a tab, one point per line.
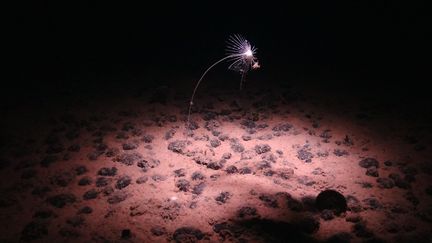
331	200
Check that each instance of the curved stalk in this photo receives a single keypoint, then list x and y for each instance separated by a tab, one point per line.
199	81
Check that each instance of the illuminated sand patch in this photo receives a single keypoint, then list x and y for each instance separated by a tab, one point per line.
123	168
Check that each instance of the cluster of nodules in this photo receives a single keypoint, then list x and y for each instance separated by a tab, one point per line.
247	222
402	176
70	137
260	160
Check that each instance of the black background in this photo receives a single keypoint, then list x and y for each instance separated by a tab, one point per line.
376	44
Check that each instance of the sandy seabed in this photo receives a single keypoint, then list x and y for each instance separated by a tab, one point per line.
125	169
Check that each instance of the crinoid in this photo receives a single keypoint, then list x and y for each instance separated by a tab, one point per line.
241	54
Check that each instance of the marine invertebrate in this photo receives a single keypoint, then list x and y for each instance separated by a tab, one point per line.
242	55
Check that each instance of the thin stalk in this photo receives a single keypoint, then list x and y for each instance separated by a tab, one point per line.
198	83
242	79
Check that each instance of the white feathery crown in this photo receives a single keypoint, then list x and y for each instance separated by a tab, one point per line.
242	54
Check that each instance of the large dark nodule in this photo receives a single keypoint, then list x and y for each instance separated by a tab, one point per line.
332	200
